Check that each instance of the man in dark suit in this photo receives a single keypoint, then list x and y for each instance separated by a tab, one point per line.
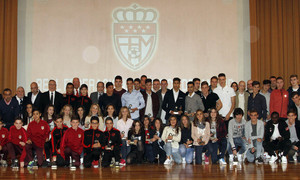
52	97
174	101
151	101
35	96
100	91
21	99
161	95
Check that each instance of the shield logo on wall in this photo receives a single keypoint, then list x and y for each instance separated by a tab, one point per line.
135	32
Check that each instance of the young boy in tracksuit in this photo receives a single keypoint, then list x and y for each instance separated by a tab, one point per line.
93	143
112	143
16	143
3	144
71	143
37	134
56	136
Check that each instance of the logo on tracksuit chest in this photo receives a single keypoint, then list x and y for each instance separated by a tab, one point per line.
20	136
3	135
79	135
42	127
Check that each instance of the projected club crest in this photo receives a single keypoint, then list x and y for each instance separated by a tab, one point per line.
135	35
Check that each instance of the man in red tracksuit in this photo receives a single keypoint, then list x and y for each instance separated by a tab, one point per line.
3	143
279	99
93	143
16	143
56	136
37	133
71	143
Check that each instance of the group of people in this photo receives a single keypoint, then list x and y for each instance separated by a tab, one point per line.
150	123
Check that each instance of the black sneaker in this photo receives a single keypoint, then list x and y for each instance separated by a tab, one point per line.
291	159
117	164
259	160
15	164
46	164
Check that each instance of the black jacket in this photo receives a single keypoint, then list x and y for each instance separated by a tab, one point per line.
169	104
56	135
114	136
58	101
186	134
153	132
84	101
282	127
104	100
70	99
90	136
141	135
38	100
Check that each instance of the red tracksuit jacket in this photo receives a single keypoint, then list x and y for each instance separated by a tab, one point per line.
279	101
3	136
38	132
16	136
72	139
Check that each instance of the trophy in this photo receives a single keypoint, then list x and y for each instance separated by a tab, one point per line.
108	147
190	145
129	107
170	140
201	142
96	141
132	140
148	137
176	110
123	138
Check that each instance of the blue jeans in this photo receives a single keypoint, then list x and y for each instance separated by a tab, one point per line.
186	153
174	152
213	151
198	151
238	142
149	152
258	147
124	149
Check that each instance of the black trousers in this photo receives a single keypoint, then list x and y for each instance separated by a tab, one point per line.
48	150
108	156
90	156
283	146
159	151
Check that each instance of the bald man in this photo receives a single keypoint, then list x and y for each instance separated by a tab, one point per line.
52	97
22	100
34	96
76	83
249	86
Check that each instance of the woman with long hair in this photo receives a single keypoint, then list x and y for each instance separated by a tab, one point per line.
80	112
136	141
172	136
67	113
148	146
110	111
27	116
157	142
49	116
123	125
186	148
94	111
200	135
217	139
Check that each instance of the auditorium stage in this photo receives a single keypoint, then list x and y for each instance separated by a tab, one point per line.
154	171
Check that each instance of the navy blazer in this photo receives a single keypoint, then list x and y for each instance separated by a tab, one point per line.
169	104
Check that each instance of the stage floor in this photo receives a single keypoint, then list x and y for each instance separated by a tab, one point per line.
154	171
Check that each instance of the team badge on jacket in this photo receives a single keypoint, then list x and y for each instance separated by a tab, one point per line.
3	135
79	135
135	35
42	127
20	137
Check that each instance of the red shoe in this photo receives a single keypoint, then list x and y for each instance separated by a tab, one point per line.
122	162
95	164
206	160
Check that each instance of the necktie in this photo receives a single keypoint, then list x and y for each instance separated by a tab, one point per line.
51	98
76	92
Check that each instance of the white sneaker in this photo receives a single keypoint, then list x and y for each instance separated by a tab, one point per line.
230	157
167	161
273	159
283	160
222	161
203	156
240	158
183	161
